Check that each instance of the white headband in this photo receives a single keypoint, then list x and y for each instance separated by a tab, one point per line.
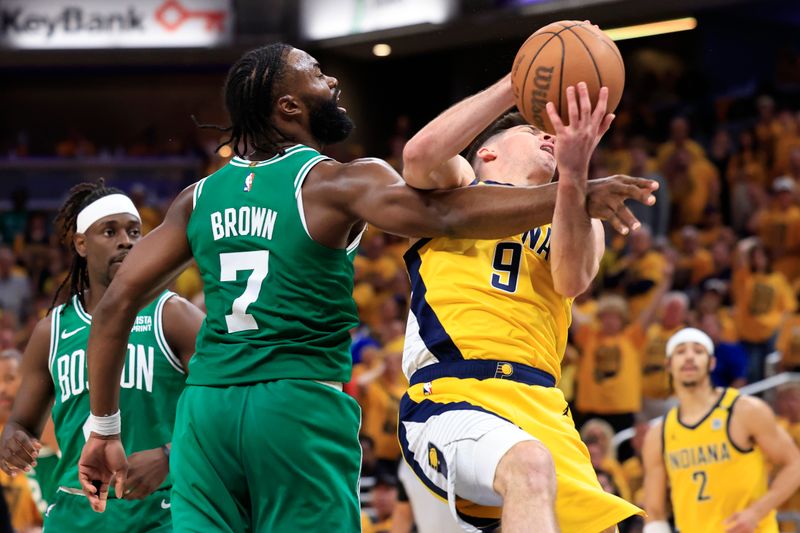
113	204
690	335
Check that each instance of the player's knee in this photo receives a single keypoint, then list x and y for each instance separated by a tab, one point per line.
527	466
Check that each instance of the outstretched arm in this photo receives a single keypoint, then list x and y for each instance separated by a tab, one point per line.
149	268
655	481
371	190
578	241
430	158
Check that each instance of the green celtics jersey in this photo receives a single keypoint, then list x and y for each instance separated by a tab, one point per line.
279	303
152	380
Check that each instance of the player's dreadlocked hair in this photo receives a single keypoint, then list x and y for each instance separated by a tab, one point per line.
66	220
249	98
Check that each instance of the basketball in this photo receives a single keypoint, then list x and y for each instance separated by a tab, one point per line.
557	56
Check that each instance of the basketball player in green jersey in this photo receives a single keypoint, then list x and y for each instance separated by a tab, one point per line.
102	225
265	440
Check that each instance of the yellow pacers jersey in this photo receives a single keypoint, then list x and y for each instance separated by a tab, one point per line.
485	299
711	478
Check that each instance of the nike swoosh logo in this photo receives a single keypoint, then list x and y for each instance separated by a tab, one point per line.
165	504
65	335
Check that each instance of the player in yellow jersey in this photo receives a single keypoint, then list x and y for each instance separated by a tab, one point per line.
712	451
483	425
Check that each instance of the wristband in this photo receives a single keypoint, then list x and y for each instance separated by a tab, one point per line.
659	526
105	425
166	450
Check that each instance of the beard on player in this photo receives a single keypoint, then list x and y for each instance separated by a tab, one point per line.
699	378
328	122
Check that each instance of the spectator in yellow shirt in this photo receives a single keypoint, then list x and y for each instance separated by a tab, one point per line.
694	263
762	299
17	491
778	226
597	435
788	344
679	130
610	367
714	291
640	271
381	402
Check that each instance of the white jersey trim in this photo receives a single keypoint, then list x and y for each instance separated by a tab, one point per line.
246	163
198	190
298	184
161	339
415	353
82	314
55	321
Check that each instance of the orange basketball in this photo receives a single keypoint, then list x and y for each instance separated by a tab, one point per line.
557	56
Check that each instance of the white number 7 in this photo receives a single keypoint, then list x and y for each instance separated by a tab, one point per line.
229	265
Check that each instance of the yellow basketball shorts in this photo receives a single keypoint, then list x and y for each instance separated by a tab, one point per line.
516	396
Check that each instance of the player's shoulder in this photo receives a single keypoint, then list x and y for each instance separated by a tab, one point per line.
748	407
42	327
654	438
362	164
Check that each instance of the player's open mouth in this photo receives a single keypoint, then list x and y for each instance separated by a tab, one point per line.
549	148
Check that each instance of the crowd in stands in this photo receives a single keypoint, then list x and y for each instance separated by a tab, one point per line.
720	251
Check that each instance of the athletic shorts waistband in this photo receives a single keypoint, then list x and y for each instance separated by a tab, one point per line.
484	369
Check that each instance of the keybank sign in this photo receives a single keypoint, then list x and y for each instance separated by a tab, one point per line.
26	24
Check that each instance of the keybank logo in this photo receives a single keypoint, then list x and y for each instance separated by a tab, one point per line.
101	24
71	20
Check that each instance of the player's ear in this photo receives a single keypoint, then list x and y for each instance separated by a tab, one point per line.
486	154
289	106
712	363
79	241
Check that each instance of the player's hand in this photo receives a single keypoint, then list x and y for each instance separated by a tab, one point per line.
18	450
147	470
576	141
101	459
742	522
605	199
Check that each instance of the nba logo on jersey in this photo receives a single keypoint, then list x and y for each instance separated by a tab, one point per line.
716	424
427	389
248	181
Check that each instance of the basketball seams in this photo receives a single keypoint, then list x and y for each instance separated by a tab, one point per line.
614	49
591	56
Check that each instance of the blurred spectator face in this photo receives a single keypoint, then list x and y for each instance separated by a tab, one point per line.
759	262
711	326
6	261
367	451
372	245
596	452
394	363
390	310
674	311
384	498
641	240
746	140
10	380
721	144
710	302
788	402
607	483
611	322
7	338
794	162
638	160
721	254
690	239
766	107
784	199
679	129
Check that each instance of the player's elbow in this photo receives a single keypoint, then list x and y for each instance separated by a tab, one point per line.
571	286
417	163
